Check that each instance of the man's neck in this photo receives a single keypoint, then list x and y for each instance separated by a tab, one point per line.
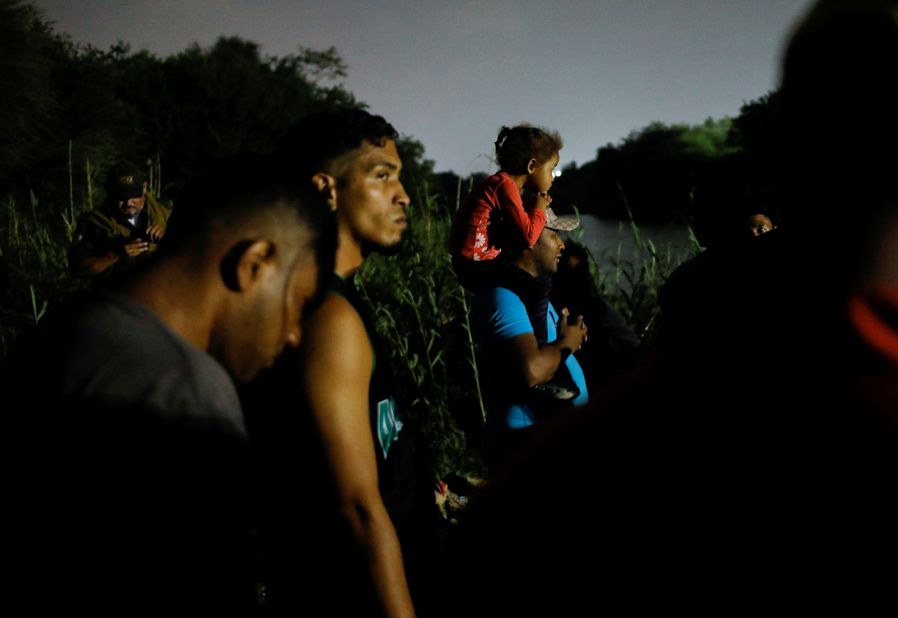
349	256
183	307
526	265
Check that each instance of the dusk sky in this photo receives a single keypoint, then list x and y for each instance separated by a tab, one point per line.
451	73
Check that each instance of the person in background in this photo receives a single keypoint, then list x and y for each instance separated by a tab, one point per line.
759	222
512	361
613	347
129	225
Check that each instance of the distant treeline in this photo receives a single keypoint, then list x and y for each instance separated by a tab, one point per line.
665	172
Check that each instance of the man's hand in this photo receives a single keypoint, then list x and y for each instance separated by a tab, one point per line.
135	248
155	232
571	335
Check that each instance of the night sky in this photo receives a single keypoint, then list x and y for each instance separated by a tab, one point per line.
451	73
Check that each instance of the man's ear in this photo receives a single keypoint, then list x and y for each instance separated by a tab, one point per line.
244	264
326	185
531	165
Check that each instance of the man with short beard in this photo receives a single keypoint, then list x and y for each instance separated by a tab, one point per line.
325	421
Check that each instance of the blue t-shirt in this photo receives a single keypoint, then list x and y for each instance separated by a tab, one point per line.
497	315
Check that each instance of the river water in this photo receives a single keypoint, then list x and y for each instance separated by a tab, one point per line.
608	239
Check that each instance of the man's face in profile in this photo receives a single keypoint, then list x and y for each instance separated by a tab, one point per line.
547	251
371	200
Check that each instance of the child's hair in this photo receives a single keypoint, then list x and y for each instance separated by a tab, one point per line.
517	145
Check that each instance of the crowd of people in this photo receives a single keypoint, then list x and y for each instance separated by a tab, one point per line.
214	428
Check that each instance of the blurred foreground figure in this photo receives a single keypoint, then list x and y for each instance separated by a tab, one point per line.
759	465
130	491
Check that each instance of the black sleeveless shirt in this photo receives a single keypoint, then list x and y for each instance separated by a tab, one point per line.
393	446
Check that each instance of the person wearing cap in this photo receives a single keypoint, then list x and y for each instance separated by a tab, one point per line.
513	362
128	226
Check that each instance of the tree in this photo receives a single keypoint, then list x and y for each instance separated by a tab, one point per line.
27	96
230	99
654	173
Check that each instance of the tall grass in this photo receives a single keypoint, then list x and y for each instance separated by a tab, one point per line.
632	283
33	247
421	312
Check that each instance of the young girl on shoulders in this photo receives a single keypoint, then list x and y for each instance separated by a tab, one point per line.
494	218
494	214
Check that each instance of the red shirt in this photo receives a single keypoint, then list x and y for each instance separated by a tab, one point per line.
496	199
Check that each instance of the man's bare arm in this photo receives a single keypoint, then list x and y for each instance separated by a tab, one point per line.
538	364
336	371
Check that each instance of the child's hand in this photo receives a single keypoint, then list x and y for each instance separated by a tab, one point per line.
536	200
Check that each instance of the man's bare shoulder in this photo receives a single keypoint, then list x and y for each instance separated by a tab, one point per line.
337	355
335	323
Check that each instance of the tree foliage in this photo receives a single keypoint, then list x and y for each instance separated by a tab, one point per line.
658	172
28	96
70	110
185	110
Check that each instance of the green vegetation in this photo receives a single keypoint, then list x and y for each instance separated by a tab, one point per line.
421	312
632	284
661	172
33	254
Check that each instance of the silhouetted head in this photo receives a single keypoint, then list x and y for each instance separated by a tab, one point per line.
839	123
574	281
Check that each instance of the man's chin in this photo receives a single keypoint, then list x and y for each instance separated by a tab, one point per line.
371	247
